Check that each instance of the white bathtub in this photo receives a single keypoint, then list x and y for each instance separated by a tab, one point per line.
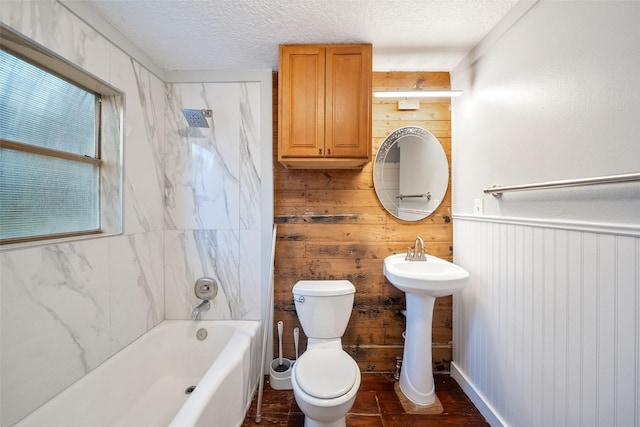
144	384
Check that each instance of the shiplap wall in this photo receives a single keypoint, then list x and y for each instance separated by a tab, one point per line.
548	329
332	226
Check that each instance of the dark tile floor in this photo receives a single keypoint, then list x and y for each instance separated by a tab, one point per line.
376	405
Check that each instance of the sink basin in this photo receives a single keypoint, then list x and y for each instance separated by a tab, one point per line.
434	277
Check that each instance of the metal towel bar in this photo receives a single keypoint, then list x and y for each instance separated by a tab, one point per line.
497	191
407	196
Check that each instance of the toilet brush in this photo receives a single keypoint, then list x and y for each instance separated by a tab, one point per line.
296	337
281	366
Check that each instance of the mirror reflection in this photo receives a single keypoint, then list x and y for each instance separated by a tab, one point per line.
411	173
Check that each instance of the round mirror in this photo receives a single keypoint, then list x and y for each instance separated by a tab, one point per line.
411	173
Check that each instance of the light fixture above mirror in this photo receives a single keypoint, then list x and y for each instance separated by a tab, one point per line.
418	92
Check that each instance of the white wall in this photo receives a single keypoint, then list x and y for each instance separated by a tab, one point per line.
547	332
195	203
556	97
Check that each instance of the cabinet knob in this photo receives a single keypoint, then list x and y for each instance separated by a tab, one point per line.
319	150
328	151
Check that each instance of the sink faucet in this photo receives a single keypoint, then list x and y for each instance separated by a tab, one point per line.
203	306
418	252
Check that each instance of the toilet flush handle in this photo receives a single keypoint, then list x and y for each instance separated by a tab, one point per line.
298	298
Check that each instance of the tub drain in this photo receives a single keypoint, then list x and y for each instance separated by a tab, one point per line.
189	389
201	334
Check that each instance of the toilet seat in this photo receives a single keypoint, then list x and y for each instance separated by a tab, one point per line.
325	373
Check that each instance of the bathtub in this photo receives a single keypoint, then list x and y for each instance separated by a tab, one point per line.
147	382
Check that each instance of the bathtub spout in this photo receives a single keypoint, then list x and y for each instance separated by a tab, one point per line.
203	306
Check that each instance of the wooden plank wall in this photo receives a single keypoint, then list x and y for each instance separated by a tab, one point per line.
332	226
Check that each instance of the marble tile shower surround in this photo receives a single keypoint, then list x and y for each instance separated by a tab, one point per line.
250	165
144	136
213	253
111	170
66	308
212	199
202	179
191	208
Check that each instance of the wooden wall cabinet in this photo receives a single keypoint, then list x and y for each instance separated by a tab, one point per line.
324	106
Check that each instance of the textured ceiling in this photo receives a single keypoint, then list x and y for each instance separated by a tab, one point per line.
407	35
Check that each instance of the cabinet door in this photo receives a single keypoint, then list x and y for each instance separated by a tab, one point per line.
301	80
348	101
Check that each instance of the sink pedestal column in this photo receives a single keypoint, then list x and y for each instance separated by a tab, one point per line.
416	377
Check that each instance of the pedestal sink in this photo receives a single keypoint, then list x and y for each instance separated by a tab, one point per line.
422	282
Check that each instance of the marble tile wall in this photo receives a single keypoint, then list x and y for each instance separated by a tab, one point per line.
191	207
212	199
65	308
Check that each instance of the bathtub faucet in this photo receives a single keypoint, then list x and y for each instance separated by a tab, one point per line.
205	289
203	306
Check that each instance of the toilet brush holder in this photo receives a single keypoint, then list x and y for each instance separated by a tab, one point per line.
280	375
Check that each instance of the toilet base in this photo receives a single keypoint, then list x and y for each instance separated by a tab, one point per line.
324	417
308	422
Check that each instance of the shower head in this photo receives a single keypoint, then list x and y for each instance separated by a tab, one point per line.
197	118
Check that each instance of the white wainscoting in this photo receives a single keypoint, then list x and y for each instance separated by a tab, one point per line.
547	332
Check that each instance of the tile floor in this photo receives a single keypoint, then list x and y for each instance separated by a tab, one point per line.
376	405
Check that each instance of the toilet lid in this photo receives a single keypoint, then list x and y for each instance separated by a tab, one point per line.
325	373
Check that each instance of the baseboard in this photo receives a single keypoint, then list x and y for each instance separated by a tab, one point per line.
485	408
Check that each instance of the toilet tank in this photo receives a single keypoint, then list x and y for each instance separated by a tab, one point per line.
323	306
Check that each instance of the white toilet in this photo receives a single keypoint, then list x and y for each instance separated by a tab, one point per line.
325	378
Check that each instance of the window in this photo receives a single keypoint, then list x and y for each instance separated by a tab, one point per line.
51	170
